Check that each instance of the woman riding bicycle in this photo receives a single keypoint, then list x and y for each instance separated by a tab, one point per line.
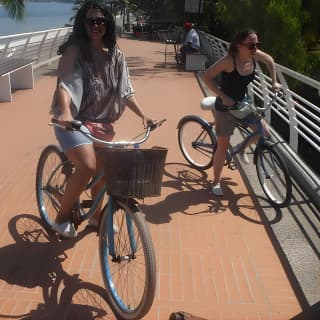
237	70
94	87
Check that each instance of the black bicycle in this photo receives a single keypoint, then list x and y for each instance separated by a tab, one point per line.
198	142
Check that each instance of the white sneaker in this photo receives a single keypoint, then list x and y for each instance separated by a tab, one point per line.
65	229
216	190
244	158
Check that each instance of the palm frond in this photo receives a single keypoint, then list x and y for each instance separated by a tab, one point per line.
15	8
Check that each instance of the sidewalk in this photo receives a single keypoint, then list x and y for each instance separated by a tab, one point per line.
215	257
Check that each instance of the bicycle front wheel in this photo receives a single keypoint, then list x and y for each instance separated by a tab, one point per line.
52	172
127	259
273	176
197	142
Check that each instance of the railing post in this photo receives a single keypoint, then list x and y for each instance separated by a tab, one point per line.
53	46
293	123
43	40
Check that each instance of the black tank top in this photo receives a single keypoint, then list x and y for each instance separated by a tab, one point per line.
234	84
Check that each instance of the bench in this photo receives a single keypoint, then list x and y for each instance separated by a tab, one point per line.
15	74
196	61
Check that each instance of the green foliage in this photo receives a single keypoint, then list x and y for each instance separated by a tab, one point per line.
278	23
15	8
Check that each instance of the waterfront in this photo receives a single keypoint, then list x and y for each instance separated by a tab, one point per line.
38	16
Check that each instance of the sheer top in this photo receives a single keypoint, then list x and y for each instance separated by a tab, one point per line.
98	88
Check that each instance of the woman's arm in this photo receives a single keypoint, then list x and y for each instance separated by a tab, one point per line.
63	98
225	64
134	106
267	59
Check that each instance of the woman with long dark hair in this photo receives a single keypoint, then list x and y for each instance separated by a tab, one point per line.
93	86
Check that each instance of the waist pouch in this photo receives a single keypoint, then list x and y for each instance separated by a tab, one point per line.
103	131
243	109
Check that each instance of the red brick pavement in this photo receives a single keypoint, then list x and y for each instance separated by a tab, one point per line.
214	257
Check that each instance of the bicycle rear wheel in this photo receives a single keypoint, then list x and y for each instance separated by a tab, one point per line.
127	260
52	172
197	141
273	176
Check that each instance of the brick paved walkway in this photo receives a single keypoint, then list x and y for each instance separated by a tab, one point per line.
215	258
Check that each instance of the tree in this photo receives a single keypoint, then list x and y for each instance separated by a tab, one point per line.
278	22
15	8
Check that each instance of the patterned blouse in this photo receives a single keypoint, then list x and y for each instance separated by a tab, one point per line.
96	96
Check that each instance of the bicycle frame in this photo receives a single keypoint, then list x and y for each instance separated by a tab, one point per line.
108	209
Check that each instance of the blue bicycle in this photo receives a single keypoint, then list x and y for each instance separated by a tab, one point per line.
197	142
126	250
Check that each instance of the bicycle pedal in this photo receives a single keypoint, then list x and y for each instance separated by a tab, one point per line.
76	218
86	203
232	165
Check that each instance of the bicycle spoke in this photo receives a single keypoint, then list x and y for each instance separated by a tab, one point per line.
196	143
273	177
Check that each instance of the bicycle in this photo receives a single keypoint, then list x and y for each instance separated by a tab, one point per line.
127	257
197	142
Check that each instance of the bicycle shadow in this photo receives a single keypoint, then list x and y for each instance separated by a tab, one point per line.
192	189
35	260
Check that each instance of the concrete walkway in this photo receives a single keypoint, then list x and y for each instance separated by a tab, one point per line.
215	257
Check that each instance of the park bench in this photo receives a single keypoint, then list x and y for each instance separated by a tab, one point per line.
15	74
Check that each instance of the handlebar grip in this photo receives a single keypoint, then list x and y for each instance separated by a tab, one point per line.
69	125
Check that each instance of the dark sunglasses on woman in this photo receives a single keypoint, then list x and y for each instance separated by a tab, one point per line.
96	21
252	46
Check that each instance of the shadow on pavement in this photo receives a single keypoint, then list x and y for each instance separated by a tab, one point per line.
35	260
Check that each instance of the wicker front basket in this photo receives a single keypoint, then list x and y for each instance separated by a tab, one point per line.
134	173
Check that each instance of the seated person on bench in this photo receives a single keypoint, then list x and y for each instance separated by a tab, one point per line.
191	41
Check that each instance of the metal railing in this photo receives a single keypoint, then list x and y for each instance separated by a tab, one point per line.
40	47
294	119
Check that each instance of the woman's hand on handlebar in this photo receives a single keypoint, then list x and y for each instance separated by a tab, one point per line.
67	124
276	87
153	124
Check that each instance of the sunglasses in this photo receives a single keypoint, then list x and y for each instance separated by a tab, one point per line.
252	46
96	21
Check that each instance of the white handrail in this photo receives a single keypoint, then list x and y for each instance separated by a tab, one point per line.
40	46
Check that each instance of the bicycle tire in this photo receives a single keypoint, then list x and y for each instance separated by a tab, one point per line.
129	275
51	175
197	141
273	175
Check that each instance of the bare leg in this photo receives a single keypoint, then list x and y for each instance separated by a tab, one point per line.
255	138
220	157
84	160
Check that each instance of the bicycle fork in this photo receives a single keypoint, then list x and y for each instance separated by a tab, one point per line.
111	232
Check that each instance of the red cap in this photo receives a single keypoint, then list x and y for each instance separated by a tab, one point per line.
187	25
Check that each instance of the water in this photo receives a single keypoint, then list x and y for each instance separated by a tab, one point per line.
39	16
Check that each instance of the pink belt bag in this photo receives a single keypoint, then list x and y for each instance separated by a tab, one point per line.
102	131
243	108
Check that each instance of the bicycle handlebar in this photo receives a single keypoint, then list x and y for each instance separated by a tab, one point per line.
76	125
277	94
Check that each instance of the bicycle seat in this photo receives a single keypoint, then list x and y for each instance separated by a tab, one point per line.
208	103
